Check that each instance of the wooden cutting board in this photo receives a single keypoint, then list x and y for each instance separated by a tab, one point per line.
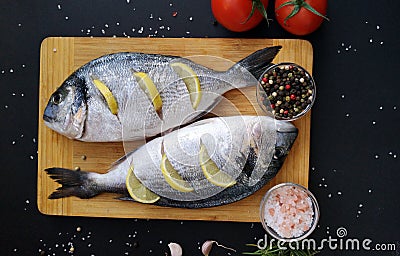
59	57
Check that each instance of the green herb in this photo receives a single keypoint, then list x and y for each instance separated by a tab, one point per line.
275	250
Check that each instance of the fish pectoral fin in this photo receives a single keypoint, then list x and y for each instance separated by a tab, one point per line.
125	198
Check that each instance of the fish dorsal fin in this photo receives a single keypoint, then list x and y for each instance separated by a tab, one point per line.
202	122
120	160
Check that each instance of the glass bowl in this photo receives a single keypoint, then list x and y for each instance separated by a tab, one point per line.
286	96
269	206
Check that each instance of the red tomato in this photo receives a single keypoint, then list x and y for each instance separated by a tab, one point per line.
305	21
232	14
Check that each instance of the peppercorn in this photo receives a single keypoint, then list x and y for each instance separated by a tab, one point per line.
289	90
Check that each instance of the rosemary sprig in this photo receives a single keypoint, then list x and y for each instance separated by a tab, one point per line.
275	250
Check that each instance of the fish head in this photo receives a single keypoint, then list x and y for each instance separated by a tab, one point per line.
66	110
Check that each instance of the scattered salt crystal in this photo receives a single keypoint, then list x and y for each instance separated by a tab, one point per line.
377	27
339	193
376	156
347	114
11	70
190	18
342	44
78	229
381	108
106	25
66	17
370	40
370	191
54	49
338	51
59	6
360	205
27	201
381	43
373	122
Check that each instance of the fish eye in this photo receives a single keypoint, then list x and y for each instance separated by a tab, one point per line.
279	152
57	98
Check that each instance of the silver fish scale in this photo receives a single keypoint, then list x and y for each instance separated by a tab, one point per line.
137	117
226	140
116	71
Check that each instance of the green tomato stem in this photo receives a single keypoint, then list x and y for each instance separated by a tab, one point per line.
257	4
298	4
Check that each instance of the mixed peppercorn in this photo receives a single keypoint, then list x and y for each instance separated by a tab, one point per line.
289	90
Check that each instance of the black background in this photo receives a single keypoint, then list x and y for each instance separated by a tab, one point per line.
355	145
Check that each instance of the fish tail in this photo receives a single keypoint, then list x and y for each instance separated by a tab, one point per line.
74	183
257	62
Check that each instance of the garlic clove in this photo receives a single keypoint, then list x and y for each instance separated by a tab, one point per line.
206	247
175	249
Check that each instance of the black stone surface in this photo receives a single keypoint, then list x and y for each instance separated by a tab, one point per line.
355	143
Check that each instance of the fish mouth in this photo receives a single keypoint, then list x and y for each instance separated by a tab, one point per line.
285	126
49	114
47	118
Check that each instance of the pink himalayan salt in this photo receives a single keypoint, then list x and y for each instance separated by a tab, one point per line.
289	211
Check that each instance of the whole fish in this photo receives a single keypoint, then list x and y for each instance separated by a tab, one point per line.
128	96
249	149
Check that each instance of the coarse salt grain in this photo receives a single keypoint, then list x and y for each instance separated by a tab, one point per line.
289	211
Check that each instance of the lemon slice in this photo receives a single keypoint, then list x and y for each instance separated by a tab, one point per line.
172	177
147	85
107	94
138	191
191	81
212	172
